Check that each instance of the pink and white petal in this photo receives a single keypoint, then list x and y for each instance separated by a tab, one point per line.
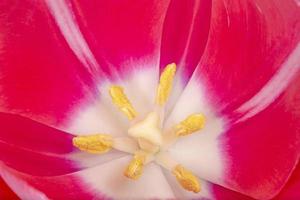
125	37
6	192
267	146
20	187
221	193
200	151
54	86
33	136
244	156
292	187
185	34
103	182
180	193
252	50
247	154
208	191
36	163
35	148
41	77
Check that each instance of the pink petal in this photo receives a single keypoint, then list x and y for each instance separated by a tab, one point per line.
221	193
102	182
255	156
246	85
292	187
30	135
123	35
6	192
85	46
290	190
20	187
50	151
262	152
34	148
248	49
41	77
185	33
125	38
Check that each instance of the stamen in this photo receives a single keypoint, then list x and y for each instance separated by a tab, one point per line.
122	102
186	179
100	143
165	84
135	168
191	124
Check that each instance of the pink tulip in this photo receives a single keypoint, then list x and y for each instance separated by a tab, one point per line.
238	67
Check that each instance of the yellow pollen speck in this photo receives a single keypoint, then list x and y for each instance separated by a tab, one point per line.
122	102
165	84
135	168
191	124
99	143
186	179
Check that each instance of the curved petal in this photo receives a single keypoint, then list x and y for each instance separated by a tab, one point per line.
6	192
267	145
121	37
101	182
124	35
84	43
20	187
252	55
246	154
30	135
292	187
206	192
41	77
50	151
252	50
221	193
185	32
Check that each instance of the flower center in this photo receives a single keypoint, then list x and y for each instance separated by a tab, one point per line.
147	142
148	133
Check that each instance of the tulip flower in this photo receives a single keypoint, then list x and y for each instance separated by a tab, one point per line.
149	99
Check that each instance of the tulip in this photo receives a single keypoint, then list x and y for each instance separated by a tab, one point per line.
149	99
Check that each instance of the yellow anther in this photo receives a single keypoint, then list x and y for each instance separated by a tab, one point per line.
99	143
165	84
122	102
186	179
135	168
191	124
